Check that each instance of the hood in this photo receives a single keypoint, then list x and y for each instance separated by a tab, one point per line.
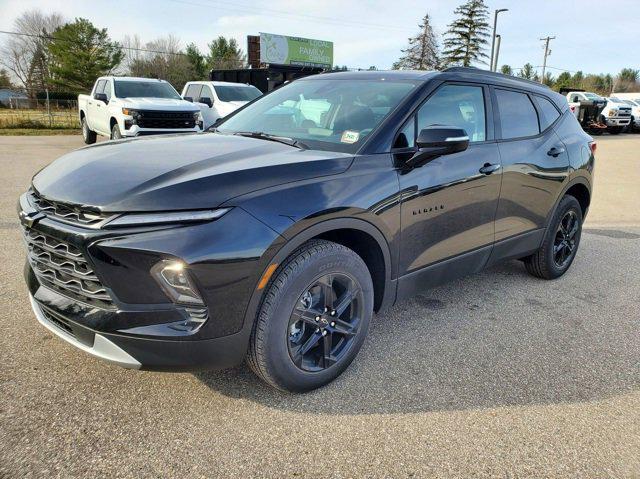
159	104
178	172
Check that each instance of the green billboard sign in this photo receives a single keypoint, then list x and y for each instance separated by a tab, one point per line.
283	50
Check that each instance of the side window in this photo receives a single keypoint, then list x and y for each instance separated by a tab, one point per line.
193	91
407	136
100	87
549	112
518	117
456	105
107	90
206	92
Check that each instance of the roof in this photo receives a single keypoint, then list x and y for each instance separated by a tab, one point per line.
138	79
378	75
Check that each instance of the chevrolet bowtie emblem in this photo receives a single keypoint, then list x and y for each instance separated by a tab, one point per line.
29	218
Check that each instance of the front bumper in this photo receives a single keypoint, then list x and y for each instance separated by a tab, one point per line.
617	121
135	130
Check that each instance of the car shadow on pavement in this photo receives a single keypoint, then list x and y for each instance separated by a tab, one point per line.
498	338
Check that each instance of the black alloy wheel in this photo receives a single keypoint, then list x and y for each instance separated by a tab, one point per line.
564	245
325	322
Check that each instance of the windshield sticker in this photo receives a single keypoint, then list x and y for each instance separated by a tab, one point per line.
349	136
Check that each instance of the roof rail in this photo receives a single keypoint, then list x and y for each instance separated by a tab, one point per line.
479	71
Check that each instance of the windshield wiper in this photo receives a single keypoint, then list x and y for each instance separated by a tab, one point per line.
279	139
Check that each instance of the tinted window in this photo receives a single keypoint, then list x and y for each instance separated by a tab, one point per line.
518	117
193	91
549	112
407	136
144	89
237	93
456	105
107	89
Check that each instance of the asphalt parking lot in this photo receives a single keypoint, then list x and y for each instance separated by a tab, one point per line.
498	374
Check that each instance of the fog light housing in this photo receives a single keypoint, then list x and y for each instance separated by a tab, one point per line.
173	278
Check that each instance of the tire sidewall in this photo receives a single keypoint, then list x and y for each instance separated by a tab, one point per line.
568	203
278	360
85	130
115	132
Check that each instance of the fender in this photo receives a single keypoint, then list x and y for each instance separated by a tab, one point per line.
282	248
583	180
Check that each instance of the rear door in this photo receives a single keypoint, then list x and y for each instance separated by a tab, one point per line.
535	163
449	204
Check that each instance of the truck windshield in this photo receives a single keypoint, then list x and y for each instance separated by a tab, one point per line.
144	89
237	93
324	114
592	96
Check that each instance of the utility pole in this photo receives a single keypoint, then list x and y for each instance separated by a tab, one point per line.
547	52
493	36
495	61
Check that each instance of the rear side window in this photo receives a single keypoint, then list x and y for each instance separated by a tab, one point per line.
456	105
518	117
549	112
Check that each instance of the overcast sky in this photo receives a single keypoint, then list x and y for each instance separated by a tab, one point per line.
594	36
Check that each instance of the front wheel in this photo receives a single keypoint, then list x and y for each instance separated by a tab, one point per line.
615	130
115	132
313	319
561	242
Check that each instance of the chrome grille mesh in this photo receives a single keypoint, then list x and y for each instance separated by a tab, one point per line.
67	213
63	267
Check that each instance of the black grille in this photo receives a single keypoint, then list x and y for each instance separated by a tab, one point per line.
63	268
67	213
166	119
58	321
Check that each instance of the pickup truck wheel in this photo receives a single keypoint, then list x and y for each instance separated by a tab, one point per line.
88	136
313	319
615	130
115	132
561	242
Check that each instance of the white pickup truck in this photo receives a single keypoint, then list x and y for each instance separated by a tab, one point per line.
616	115
217	99
124	106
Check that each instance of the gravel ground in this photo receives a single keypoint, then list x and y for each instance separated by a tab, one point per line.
498	374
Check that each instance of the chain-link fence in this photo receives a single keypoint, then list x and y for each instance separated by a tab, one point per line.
20	111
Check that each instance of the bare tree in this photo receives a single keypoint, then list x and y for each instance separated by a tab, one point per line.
25	55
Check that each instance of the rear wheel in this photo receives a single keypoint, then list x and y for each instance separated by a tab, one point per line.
313	319
561	242
88	136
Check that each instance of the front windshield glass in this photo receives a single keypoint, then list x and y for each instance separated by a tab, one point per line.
145	89
237	93
324	114
592	96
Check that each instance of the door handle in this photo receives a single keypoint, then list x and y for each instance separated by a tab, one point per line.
488	168
555	151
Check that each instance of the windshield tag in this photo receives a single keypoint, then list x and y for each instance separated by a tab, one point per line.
349	136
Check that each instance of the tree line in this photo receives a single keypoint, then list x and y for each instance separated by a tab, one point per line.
466	42
49	53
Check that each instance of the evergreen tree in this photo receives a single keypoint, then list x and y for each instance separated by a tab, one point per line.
527	72
197	61
548	80
80	53
564	81
422	52
225	54
5	81
506	70
466	39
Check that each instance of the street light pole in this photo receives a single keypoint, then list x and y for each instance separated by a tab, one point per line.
493	36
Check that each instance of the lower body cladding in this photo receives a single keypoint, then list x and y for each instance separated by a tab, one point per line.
139	325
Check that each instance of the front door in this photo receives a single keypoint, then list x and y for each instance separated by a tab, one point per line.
449	204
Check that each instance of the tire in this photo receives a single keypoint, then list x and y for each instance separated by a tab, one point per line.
287	348
88	136
544	263
615	130
115	132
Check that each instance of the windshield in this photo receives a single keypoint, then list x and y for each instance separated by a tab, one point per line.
592	96
237	93
145	89
333	115
616	100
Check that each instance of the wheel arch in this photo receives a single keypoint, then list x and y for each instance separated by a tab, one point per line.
580	188
361	236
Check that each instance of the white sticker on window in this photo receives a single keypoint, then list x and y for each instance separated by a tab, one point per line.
349	136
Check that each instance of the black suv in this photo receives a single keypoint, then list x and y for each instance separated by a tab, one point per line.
275	236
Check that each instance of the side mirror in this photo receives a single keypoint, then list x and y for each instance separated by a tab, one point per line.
101	97
188	98
438	140
206	100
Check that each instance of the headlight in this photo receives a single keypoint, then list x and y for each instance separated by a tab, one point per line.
130	112
612	112
173	278
143	219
